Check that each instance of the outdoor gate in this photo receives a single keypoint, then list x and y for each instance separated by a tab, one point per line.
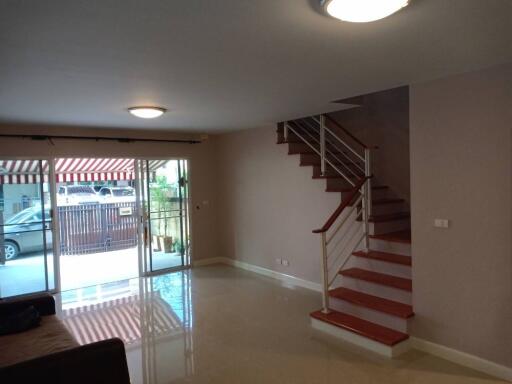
90	228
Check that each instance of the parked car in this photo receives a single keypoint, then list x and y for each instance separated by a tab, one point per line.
117	194
97	188
77	194
23	232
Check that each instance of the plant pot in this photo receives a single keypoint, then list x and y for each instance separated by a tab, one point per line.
155	243
165	243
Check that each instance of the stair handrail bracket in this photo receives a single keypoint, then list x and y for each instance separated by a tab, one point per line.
352	216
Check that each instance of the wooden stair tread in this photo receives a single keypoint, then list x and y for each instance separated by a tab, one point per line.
310	151
389	307
337	176
395	237
351	176
385	256
346	189
389	217
378	278
362	327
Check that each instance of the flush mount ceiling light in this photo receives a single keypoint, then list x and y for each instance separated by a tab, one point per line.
362	11
147	112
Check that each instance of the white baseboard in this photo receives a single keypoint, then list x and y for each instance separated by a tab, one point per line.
463	358
288	279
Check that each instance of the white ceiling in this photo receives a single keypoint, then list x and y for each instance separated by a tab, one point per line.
226	64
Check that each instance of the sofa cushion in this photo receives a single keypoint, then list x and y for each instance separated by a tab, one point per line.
20	321
51	336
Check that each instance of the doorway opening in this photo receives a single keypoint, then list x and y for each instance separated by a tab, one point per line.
165	201
97	221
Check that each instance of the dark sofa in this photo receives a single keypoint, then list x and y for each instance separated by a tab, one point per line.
50	354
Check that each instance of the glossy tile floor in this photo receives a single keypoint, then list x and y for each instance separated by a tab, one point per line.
218	324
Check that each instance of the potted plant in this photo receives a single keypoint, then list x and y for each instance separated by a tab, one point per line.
160	197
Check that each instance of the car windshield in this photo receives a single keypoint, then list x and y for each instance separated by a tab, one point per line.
28	215
21	217
123	192
80	190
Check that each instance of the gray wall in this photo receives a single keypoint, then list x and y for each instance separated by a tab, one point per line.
461	170
270	205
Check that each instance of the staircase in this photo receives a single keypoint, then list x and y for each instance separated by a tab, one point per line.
365	243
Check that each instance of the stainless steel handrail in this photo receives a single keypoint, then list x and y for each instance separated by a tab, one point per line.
322	140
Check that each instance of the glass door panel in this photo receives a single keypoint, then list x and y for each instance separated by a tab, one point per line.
26	258
164	201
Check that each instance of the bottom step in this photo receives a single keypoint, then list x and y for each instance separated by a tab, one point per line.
374	337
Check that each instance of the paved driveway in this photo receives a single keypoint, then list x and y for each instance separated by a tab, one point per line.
26	273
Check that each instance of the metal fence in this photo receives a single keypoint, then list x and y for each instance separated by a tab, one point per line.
92	228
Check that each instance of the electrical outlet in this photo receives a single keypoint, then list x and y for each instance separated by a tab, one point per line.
441	223
279	261
286	263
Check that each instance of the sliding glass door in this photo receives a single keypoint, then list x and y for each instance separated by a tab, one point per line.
26	257
115	219
163	192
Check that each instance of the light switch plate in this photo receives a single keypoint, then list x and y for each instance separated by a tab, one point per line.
441	223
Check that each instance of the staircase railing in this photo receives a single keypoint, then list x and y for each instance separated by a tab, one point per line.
348	226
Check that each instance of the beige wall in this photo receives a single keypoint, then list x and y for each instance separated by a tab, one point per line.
382	120
461	170
202	168
270	205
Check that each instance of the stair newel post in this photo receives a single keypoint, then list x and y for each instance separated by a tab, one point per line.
322	145
325	276
285	131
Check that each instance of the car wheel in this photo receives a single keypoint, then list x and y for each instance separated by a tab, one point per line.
11	250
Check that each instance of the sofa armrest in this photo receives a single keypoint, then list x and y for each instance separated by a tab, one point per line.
45	304
98	363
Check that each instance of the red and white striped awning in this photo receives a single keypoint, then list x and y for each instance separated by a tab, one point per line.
120	318
71	169
94	169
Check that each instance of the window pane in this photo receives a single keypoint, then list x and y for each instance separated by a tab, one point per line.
23	194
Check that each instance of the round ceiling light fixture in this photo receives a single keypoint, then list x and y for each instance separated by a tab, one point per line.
362	11
147	112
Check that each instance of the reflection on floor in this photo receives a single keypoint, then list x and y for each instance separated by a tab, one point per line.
222	325
26	274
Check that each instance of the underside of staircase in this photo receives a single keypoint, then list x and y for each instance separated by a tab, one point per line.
370	303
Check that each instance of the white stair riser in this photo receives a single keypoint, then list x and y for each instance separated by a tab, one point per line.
361	341
389	226
381	318
391	247
379	266
377	290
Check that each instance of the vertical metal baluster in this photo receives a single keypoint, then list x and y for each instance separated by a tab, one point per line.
322	145
325	276
368	174
365	217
